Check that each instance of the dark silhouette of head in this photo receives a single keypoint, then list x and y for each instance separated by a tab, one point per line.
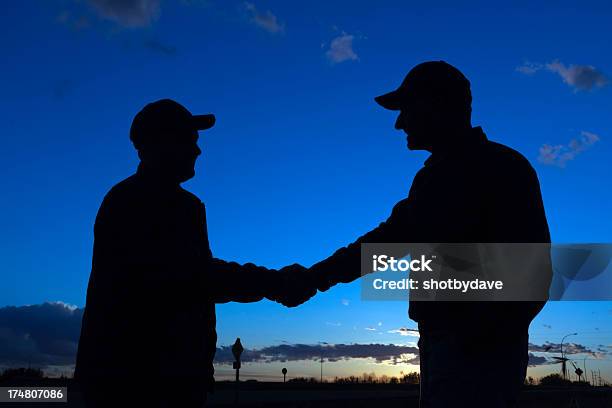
435	104
165	134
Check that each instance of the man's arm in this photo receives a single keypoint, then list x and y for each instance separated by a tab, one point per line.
345	264
233	282
402	225
246	283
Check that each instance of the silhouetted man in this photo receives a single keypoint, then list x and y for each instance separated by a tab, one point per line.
148	336
470	190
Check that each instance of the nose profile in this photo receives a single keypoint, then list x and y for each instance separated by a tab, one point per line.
399	122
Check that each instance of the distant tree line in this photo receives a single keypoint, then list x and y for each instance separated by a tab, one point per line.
21	373
551	380
365	378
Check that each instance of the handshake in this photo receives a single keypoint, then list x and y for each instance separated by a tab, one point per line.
294	285
291	286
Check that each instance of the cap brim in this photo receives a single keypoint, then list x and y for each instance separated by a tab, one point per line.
203	122
391	100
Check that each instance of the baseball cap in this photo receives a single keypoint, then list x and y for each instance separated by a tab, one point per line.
437	78
166	117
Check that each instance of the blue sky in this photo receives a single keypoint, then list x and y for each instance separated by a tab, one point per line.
301	161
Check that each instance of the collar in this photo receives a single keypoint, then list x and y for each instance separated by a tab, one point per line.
153	180
471	139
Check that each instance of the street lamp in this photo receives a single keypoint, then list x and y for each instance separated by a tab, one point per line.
567	335
563	359
321	343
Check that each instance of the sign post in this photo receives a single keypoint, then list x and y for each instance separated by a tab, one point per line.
237	350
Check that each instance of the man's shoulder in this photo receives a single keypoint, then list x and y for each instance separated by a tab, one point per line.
498	154
134	194
120	199
131	188
189	198
506	167
132	199
123	191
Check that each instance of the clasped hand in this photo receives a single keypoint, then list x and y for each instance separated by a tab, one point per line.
295	286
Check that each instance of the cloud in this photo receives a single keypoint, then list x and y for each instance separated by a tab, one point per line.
341	49
267	20
404	331
568	348
548	326
43	335
537	360
334	324
127	13
529	68
555	348
46	336
161	48
76	23
370	328
559	155
579	77
381	353
65	305
345	302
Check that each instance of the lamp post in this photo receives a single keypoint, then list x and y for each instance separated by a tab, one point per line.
321	343
563	355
